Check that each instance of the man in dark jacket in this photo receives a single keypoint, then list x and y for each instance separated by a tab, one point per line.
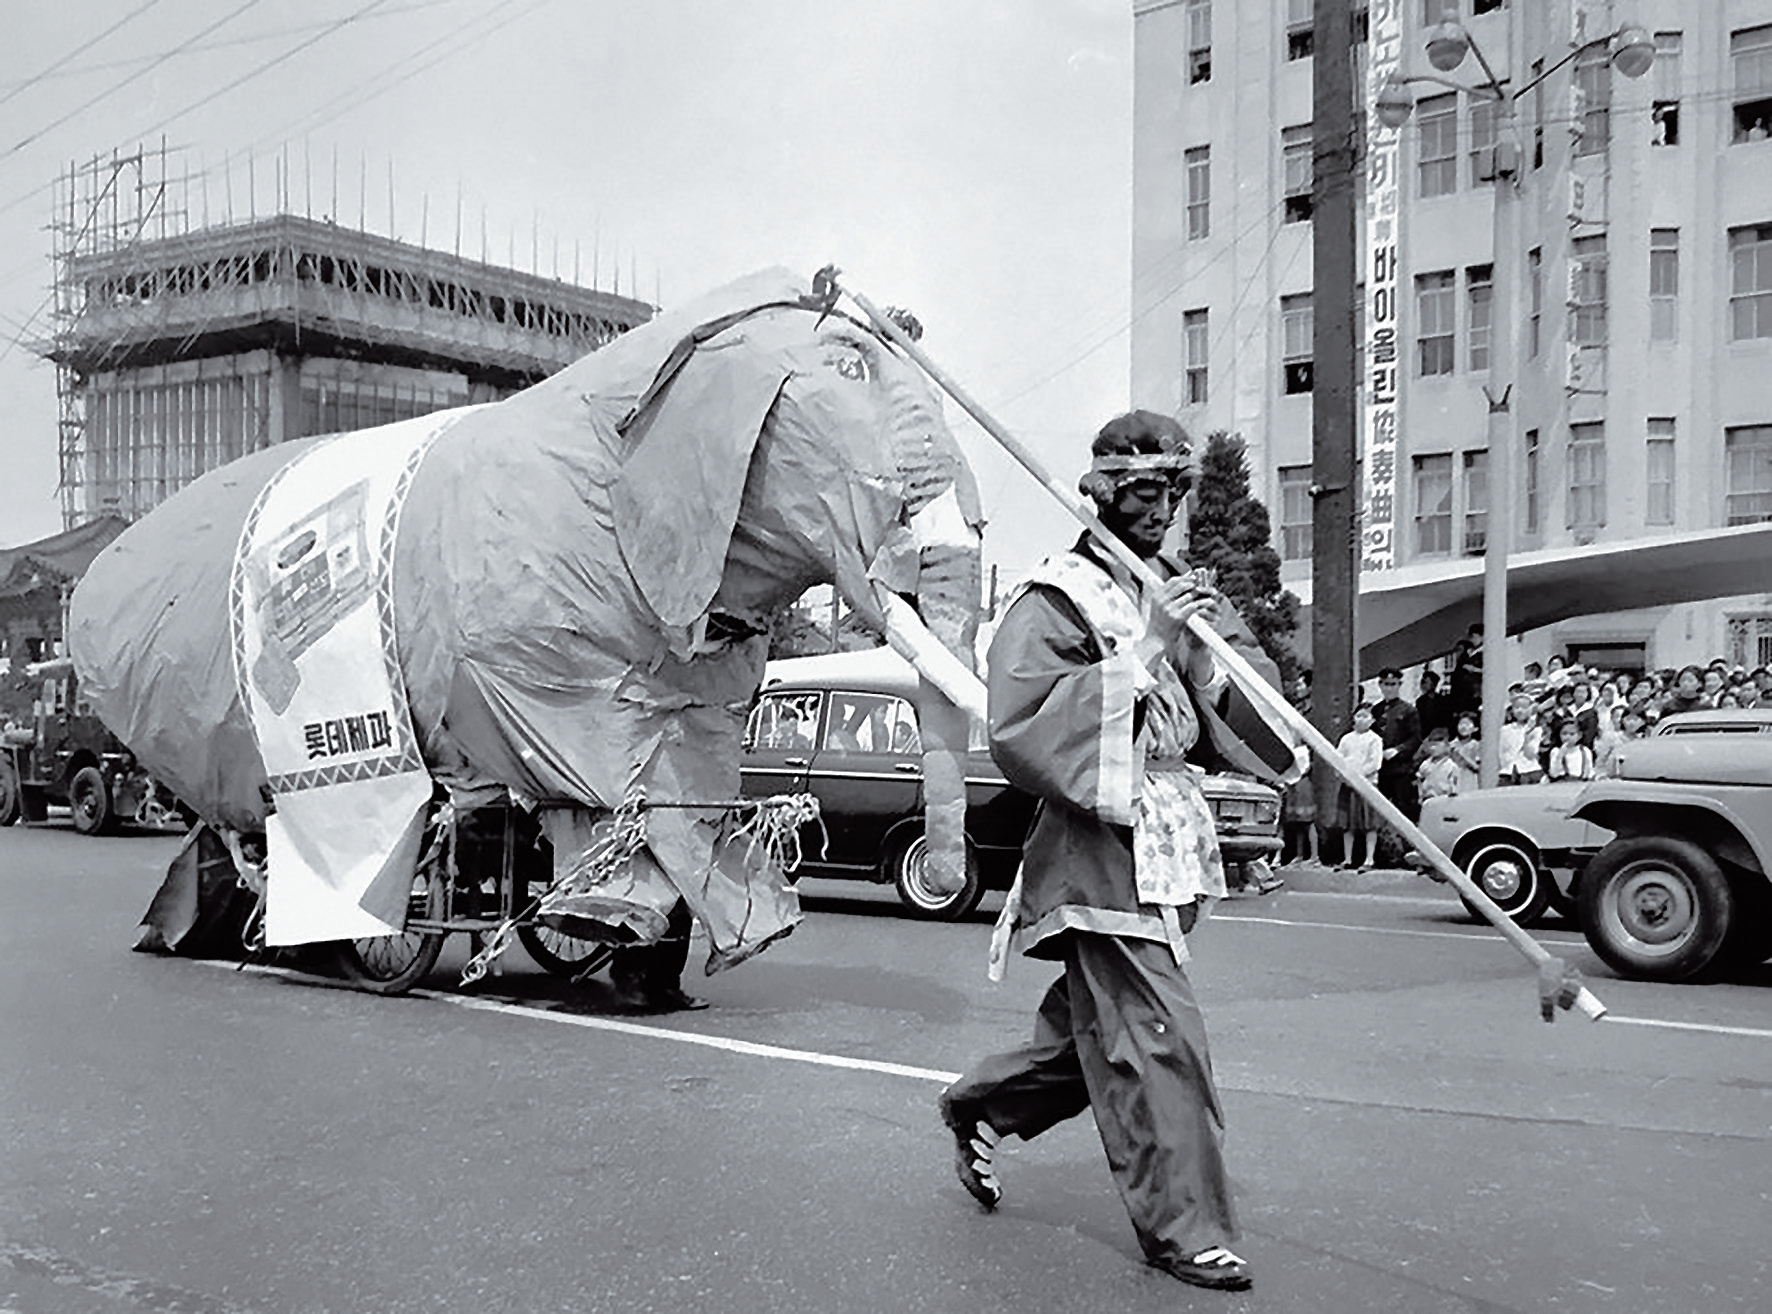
1393	716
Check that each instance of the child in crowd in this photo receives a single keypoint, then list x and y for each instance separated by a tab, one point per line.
1519	745
1437	776
1606	746
1364	750
1467	752
1571	759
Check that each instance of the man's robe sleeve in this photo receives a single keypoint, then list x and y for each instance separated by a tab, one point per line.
1062	713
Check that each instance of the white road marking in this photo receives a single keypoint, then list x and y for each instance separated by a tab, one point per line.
1711	1028
1475	936
617	1025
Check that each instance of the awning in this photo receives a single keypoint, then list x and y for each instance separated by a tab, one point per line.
1417	612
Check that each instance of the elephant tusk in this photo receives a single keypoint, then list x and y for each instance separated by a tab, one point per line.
911	639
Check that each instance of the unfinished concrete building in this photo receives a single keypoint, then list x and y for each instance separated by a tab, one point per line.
179	348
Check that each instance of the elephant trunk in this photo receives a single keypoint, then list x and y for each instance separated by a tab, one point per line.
940	636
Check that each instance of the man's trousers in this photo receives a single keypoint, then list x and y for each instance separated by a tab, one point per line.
1120	1033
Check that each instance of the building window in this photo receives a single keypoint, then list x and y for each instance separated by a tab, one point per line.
1750	51
1438	11
1587	475
1658	471
1436	311
1486	6
1479	303
1593	85
1534	302
1587	291
1295	346
1476	502
1433	505
1664	110
1750	283
1750	640
1529	483
1295	512
1362	34
1538	114
1483	117
1437	157
1295	151
1664	284
1199	41
1199	192
1747	453
1301	33
1193	328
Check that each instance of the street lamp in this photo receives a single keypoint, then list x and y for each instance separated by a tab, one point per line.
1633	51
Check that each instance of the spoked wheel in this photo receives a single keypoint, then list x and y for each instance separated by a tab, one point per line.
393	964
907	867
562	954
1511	876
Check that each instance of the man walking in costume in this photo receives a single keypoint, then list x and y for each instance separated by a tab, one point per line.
1099	699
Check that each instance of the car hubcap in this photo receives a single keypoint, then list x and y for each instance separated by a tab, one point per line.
1653	907
1502	879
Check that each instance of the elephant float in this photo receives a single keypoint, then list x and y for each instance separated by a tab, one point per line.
565	598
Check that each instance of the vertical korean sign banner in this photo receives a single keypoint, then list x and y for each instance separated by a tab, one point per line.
1378	418
318	668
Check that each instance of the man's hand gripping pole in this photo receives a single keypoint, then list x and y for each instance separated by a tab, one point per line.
1559	984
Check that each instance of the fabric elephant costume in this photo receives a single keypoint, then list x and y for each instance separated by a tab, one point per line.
581	583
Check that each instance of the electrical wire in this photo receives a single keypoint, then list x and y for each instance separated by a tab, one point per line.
115	87
75	53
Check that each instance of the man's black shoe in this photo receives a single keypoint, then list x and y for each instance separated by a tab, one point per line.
1216	1269
975	1147
661	999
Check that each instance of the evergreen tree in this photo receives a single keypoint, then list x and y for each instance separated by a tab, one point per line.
1229	533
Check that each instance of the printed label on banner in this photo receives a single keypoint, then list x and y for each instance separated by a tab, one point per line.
317	664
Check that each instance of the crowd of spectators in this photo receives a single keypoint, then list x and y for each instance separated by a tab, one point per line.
1564	721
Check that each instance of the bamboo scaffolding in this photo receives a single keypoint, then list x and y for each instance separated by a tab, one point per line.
1559	985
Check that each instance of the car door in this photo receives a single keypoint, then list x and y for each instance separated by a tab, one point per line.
779	741
868	772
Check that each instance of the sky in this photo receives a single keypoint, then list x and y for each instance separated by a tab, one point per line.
967	159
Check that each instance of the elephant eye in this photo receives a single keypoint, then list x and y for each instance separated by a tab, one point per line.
851	364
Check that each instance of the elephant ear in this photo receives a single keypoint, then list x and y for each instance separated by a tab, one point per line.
677	499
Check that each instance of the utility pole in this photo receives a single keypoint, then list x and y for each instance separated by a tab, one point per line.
1335	379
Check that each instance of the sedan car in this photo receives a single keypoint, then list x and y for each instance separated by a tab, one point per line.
844	729
1517	843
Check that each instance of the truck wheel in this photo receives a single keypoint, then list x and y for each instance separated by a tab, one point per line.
89	799
1510	875
1656	908
906	866
11	802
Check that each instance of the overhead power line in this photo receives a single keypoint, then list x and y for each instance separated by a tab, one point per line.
76	52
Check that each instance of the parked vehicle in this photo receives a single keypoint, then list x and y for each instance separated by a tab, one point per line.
1685	883
67	758
844	729
1664	866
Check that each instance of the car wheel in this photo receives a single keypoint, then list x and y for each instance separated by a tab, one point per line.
1656	907
1511	876
89	799
11	801
906	866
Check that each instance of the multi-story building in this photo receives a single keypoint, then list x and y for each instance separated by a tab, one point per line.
181	347
1642	402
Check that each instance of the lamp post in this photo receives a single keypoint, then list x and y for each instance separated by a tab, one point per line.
1633	51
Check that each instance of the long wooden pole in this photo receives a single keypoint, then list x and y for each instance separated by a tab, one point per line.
1558	985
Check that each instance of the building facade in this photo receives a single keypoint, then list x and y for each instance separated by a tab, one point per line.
179	348
1642	395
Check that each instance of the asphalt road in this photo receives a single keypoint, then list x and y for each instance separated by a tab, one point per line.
1405	1134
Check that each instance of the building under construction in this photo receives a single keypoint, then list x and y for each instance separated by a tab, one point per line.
179	348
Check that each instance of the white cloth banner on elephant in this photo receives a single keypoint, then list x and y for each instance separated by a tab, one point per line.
318	667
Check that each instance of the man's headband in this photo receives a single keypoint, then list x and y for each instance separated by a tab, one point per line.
1112	471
